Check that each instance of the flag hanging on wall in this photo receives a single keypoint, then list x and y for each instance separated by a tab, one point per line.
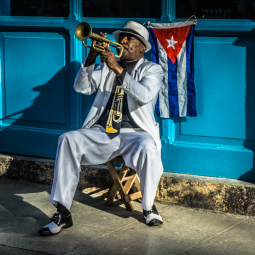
173	48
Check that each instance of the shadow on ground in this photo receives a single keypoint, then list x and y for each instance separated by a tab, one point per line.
98	229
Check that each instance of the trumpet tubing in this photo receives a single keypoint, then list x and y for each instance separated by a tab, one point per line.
83	31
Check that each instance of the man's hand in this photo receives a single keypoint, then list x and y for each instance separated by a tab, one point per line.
109	58
93	54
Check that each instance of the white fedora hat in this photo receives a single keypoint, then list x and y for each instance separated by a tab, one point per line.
137	30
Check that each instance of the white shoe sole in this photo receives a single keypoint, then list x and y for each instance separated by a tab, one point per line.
153	219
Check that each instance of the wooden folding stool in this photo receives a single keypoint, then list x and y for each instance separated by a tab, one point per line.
120	188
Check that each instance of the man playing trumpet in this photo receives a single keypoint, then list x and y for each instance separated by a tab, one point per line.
130	88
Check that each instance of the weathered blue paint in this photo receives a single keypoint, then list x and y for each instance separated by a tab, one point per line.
40	56
167	11
209	160
32	90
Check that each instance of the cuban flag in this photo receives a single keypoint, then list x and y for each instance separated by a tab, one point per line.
173	48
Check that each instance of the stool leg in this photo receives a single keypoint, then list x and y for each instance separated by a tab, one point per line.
137	181
117	187
112	194
122	174
129	185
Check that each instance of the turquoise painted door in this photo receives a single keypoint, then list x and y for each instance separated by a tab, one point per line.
39	59
35	91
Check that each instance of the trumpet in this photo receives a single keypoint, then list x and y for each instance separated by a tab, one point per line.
83	31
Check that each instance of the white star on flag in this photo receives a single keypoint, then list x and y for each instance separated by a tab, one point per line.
171	42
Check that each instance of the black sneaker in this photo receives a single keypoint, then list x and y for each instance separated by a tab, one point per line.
152	217
57	222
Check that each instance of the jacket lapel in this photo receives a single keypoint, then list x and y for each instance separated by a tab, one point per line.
133	75
110	79
136	67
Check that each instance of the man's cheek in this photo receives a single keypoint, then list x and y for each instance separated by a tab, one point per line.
132	48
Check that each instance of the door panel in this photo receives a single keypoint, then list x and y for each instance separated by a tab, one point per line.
35	91
220	88
32	93
220	141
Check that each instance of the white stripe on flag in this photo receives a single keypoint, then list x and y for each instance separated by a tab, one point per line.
171	25
182	81
163	94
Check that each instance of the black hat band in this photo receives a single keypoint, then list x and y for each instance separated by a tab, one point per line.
130	30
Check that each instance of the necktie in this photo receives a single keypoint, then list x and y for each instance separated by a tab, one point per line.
115	115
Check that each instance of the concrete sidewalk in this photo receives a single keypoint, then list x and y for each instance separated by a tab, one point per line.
99	229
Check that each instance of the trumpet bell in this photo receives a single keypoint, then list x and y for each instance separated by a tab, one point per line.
83	31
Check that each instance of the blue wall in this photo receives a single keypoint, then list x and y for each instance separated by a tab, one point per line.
220	141
40	56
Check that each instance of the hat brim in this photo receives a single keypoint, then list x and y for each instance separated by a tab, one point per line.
117	33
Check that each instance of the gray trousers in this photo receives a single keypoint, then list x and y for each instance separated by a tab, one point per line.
92	147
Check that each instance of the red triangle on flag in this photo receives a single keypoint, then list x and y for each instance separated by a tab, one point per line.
172	39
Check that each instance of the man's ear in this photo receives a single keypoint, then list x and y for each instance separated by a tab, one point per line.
143	48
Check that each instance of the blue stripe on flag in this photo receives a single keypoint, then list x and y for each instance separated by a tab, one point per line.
191	104
154	58
172	89
154	46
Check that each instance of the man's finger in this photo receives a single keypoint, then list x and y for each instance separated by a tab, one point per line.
103	34
103	54
107	49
